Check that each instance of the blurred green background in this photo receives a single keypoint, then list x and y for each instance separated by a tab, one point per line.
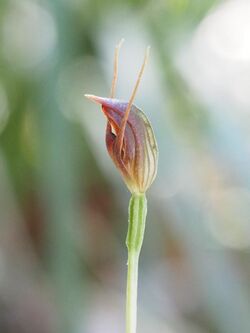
63	206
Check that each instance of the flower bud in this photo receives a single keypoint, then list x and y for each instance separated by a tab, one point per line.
131	144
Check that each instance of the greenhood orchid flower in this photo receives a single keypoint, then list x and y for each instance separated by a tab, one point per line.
130	138
131	144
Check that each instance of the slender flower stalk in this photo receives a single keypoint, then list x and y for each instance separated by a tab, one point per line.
137	220
132	146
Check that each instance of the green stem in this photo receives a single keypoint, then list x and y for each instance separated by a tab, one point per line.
137	219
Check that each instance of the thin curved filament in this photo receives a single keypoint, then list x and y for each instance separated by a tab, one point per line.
115	75
131	100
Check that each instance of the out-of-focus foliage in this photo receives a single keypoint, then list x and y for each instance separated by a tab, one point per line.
63	207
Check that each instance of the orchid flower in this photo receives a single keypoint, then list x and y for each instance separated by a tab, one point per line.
130	139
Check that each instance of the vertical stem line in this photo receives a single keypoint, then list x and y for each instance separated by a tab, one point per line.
137	219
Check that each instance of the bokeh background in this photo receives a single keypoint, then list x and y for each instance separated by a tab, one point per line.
63	206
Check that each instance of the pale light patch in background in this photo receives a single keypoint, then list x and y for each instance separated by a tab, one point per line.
110	318
28	34
229	219
216	64
216	61
228	37
102	319
4	109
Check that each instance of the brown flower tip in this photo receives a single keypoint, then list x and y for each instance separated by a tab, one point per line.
130	139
